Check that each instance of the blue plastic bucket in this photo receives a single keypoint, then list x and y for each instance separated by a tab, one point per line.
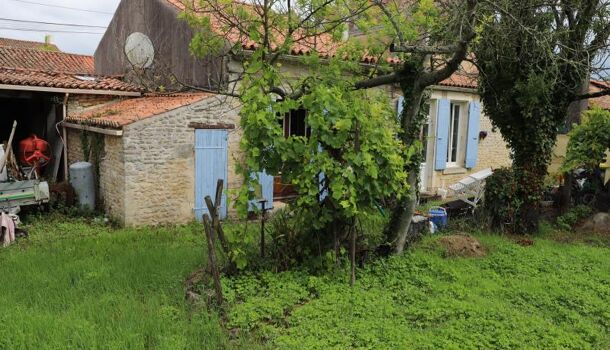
438	216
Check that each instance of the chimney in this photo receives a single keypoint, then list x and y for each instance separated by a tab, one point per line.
48	40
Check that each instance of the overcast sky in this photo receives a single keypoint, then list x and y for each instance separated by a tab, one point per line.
32	10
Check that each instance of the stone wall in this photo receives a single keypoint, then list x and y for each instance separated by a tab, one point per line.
111	180
159	160
77	103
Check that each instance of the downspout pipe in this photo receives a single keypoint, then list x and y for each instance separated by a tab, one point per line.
65	135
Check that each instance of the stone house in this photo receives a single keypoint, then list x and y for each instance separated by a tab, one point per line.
163	152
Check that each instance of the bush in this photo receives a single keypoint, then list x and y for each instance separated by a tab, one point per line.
567	221
502	204
589	141
294	242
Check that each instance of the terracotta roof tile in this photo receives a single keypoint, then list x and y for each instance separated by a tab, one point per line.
24	44
46	61
603	101
25	77
461	80
125	112
323	44
28	67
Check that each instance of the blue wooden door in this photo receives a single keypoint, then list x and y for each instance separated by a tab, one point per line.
210	165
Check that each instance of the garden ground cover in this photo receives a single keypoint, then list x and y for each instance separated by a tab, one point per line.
75	285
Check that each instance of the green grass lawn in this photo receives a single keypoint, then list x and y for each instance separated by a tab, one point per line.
78	286
73	285
546	296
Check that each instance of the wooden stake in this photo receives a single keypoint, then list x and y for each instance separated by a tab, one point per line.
213	209
209	232
9	145
263	217
353	256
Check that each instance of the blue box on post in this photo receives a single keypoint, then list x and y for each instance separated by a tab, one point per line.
438	216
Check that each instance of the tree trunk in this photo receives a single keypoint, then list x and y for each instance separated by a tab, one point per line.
575	110
410	125
404	214
530	170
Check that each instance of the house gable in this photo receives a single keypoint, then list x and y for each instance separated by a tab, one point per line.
173	65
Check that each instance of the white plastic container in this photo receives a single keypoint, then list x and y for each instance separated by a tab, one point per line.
82	179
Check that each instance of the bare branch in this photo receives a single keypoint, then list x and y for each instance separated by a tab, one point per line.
387	79
601	93
423	49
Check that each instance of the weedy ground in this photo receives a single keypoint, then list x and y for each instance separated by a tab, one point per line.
75	284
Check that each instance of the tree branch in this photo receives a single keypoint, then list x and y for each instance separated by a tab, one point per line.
378	81
446	49
601	93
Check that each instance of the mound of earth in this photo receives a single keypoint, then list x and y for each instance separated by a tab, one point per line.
598	223
462	246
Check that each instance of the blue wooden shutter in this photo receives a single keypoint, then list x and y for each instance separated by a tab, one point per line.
399	106
321	178
442	133
210	165
472	140
266	182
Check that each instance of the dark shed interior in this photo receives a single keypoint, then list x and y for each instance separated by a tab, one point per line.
36	113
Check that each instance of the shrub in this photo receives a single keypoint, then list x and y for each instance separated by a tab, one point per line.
502	204
589	141
293	241
567	221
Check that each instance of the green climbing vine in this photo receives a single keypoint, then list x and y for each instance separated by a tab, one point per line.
93	145
351	159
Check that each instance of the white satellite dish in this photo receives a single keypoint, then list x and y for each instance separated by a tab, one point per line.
139	50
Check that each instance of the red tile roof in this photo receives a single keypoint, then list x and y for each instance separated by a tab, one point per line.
125	112
603	101
461	80
24	44
46	61
28	67
323	44
26	77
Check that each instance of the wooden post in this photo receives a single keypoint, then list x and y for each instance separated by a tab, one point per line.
353	226
209	232
213	209
262	202
9	147
353	257
218	198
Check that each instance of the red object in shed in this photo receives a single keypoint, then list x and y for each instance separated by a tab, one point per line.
34	152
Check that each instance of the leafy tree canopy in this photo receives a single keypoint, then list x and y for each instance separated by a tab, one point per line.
589	141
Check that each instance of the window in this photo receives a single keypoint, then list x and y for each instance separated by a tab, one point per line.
294	123
425	133
457	124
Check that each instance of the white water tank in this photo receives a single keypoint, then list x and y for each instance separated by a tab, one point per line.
82	179
3	174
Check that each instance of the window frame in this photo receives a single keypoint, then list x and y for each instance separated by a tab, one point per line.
458	138
287	126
